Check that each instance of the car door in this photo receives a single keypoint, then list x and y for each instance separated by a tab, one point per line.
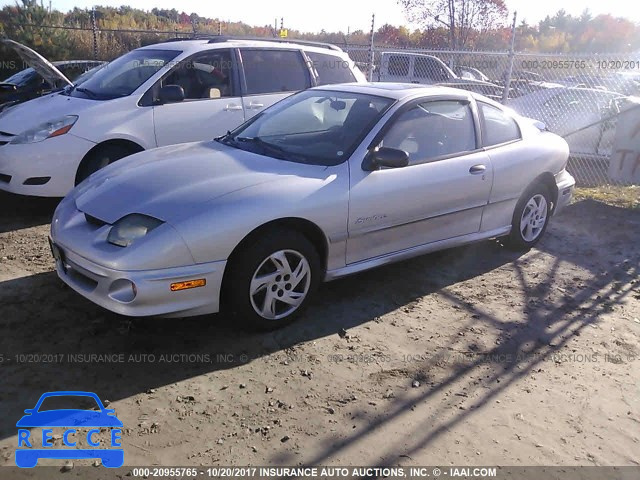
439	195
269	75
212	103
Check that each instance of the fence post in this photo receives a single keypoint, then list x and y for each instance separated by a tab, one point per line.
94	29
507	80
371	47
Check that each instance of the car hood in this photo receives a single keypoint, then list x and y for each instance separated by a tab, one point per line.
32	113
170	182
69	418
36	61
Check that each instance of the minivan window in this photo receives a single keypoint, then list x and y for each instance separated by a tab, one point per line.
205	76
125	74
330	69
271	71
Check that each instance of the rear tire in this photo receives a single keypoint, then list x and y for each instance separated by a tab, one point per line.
270	281
530	218
102	157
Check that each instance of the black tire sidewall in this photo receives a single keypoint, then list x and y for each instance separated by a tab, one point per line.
515	239
243	265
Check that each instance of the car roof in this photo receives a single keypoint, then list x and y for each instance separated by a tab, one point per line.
198	45
397	91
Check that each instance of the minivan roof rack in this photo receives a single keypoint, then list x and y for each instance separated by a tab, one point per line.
226	38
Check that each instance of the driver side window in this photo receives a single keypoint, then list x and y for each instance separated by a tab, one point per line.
206	76
432	130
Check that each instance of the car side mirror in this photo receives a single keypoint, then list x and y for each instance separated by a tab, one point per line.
29	411
171	94
385	157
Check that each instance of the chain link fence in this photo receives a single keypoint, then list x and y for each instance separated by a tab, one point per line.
578	96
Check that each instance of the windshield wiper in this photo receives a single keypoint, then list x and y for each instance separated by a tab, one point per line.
87	92
227	138
269	148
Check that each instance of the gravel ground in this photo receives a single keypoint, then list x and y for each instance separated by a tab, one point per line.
472	356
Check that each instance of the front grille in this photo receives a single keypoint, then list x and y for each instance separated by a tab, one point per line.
96	222
5	178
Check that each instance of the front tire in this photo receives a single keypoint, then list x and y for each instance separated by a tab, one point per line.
271	280
530	218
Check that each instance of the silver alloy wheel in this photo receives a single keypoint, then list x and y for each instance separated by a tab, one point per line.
280	284
534	217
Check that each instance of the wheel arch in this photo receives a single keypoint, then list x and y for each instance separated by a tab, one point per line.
548	181
309	229
121	142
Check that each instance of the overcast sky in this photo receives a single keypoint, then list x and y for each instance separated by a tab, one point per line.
334	15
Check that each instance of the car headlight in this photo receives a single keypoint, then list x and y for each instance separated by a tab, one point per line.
54	128
130	228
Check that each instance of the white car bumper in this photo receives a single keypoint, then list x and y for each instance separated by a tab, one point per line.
152	294
42	169
565	184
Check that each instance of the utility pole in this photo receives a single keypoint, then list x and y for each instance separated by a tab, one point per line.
94	29
219	27
371	51
507	80
194	26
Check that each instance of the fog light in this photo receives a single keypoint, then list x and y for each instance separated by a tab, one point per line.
123	290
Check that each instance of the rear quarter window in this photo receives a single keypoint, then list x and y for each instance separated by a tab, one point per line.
330	69
498	127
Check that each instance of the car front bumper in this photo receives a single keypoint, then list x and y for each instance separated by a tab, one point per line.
152	295
565	184
42	169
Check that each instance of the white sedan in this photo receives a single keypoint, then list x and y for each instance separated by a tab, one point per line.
329	182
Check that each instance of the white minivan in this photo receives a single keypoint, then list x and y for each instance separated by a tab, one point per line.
158	95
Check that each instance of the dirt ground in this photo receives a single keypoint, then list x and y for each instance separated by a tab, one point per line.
472	356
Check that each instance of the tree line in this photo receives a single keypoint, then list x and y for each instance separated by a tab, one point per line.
464	24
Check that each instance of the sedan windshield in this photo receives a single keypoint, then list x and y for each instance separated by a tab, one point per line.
320	127
124	75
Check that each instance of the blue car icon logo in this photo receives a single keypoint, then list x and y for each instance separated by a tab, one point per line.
32	448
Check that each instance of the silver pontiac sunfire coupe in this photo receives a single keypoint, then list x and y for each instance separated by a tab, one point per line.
328	182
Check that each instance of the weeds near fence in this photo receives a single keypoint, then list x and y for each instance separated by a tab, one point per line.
618	196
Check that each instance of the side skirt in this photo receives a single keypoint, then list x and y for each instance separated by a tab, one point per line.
414	252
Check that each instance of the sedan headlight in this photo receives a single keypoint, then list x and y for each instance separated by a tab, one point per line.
54	128
130	228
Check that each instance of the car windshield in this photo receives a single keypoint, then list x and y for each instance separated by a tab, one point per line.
21	78
319	127
124	75
68	402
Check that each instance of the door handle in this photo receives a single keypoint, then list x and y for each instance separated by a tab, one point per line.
477	169
232	108
255	106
